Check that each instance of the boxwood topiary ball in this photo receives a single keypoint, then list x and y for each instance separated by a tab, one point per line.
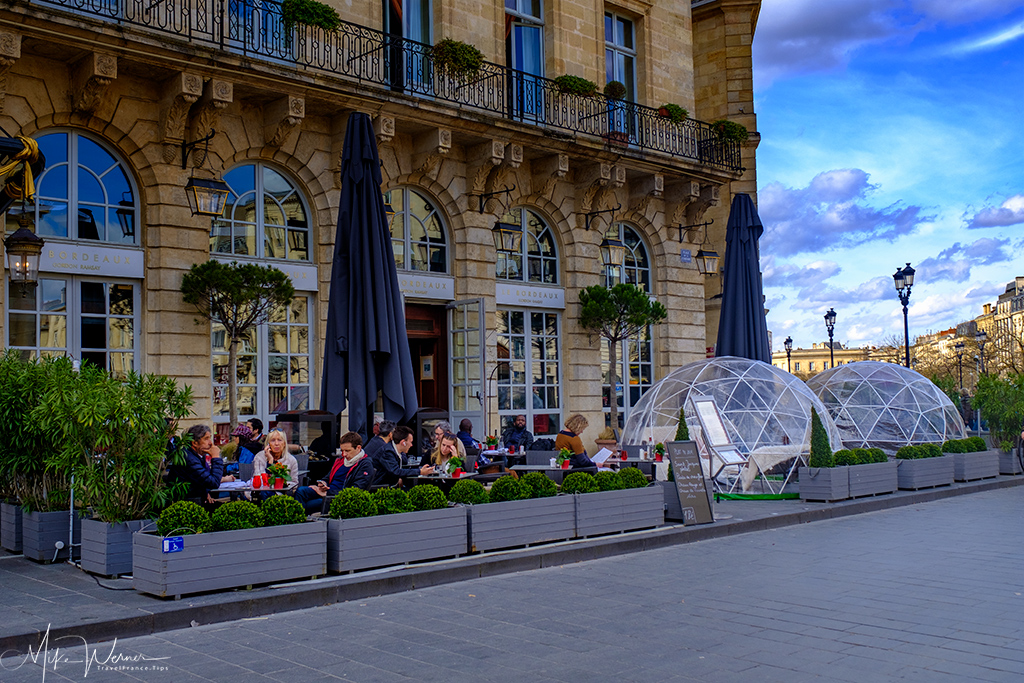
579	482
845	457
280	510
540	485
238	514
427	497
508	488
468	492
184	517
907	453
391	501
352	503
632	478
609	481
976	444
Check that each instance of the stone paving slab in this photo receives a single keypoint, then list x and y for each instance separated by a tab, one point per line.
71	602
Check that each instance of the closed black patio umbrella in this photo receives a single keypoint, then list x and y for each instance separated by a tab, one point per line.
367	348
742	329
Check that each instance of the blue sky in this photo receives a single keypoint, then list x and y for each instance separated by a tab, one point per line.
891	131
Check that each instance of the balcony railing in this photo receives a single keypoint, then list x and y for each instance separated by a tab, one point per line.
365	55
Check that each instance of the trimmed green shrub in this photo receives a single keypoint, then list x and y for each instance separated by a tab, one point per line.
845	457
352	503
930	450
468	492
609	481
955	446
676	114
508	488
457	58
181	518
238	514
878	455
821	450
540	485
309	12
579	482
671	474
682	431
575	85
391	501
427	497
282	510
863	456
1006	446
730	130
615	90
907	453
632	478
977	444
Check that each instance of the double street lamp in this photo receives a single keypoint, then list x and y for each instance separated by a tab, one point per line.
830	323
903	279
789	349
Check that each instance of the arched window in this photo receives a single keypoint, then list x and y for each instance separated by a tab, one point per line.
417	233
636	363
84	193
265	216
537	251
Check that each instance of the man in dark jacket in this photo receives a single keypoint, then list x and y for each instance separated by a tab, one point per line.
203	468
353	468
518	435
381	440
391	462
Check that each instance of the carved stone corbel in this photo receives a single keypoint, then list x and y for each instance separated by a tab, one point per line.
709	196
681	194
643	191
548	171
384	128
216	97
692	201
429	149
180	93
90	79
281	117
10	52
482	160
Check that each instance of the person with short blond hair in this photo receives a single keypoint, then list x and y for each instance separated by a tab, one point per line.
570	438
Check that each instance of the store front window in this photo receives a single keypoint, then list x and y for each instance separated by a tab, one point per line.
417	232
537	251
529	370
635	356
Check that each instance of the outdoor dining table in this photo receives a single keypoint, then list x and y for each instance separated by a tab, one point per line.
445	482
649	467
556	474
244	487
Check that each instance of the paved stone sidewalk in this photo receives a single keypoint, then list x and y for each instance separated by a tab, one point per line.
929	592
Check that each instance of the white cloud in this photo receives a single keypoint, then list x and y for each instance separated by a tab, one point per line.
1010	212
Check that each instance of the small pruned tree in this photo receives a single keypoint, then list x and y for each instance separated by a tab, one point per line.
620	313
821	449
239	297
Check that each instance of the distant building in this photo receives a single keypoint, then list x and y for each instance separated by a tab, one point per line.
809	362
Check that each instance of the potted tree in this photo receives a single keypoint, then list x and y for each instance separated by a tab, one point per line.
392	527
822	480
614	501
673	112
309	27
113	433
458	60
575	85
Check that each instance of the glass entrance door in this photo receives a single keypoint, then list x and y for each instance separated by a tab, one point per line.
466	362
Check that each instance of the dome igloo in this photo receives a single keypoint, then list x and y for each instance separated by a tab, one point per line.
887	406
761	405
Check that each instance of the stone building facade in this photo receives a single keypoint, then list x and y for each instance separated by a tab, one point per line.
111	89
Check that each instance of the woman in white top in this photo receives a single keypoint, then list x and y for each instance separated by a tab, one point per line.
276	453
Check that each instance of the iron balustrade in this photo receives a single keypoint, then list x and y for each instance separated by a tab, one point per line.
257	28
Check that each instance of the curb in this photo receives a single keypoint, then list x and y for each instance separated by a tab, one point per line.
335	589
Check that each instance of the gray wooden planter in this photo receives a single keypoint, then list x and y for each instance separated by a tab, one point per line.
40	532
229	559
10	527
971	466
107	548
923	473
673	510
1009	463
873	478
608	512
395	539
825	484
521	522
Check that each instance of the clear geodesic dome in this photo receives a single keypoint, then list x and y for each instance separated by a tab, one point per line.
887	406
761	405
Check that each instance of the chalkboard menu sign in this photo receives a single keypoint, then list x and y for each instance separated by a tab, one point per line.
691	485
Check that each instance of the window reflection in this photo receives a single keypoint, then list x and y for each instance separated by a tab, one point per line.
538	250
264	216
417	232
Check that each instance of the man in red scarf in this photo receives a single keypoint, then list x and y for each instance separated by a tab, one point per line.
353	468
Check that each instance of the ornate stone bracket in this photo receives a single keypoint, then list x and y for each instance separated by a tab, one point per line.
384	128
281	117
10	52
180	93
482	160
548	171
217	95
693	200
90	79
429	149
642	192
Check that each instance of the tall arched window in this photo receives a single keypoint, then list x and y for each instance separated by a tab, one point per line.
537	251
86	304
264	217
636	363
417	232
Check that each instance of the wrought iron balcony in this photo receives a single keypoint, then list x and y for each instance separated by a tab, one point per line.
365	55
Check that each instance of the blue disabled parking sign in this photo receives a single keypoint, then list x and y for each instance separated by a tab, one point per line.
174	544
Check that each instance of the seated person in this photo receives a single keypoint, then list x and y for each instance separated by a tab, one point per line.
391	462
353	468
430	444
239	450
381	440
518	435
447	448
466	435
257	438
203	468
570	438
276	453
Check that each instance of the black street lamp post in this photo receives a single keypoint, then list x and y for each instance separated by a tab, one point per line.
959	346
789	349
981	337
903	279
830	323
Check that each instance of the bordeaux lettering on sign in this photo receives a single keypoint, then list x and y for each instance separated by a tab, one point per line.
90	260
691	485
438	287
511	294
